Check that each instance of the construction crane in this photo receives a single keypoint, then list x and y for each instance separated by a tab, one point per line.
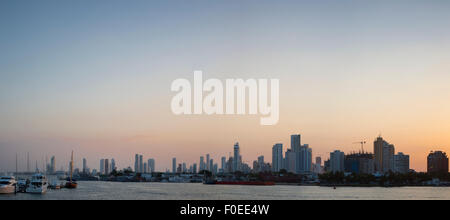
362	145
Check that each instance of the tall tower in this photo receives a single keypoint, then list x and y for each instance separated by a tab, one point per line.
107	170
84	165
337	161
378	153
208	167
102	166
437	162
296	142
174	165
141	163
151	165
53	164
277	157
383	155
202	163
236	161
113	164
136	163
224	161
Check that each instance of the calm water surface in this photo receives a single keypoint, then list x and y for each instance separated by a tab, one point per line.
191	191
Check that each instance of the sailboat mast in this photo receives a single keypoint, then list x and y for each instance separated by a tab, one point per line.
71	167
16	166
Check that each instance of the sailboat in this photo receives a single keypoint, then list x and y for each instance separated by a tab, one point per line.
71	184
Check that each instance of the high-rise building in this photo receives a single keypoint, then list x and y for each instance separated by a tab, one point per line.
113	165
174	165
303	155
102	166
107	167
255	166
359	163
202	163
70	167
303	160
230	165
318	165
136	163
215	168
208	167
211	165
295	142
401	163
84	165
388	158
261	165
180	168
290	161
337	161
237	158
194	168
52	165
383	155
223	164
437	162
141	163
151	165
277	157
145	167
319	161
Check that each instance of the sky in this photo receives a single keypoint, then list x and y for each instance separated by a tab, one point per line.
95	77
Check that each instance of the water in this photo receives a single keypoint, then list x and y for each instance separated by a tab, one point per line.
191	191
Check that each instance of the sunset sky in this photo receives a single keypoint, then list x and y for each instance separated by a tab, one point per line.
95	77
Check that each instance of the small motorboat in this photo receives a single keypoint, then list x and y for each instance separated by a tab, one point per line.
55	186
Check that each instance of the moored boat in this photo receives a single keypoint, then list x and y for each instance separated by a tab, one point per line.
38	184
71	184
21	186
7	185
55	185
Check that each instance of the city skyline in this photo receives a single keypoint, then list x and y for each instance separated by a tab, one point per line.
383	162
95	77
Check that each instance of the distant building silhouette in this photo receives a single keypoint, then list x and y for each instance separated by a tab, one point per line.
237	158
437	162
383	155
401	163
337	161
174	165
277	157
359	163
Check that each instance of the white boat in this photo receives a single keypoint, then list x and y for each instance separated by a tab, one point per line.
7	185
38	184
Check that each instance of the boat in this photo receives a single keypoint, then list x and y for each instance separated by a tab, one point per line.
55	185
38	184
7	185
71	184
22	186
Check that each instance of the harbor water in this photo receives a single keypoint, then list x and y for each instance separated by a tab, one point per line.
198	191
